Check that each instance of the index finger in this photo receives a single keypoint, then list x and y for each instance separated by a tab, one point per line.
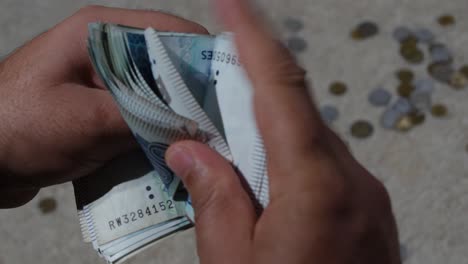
287	118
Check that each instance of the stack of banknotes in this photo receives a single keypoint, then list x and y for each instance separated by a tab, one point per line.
169	87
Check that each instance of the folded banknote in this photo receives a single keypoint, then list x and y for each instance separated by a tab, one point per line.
169	87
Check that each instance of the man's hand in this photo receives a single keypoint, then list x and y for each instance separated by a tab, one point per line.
58	121
325	207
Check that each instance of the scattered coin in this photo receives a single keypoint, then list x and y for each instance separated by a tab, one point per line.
446	20
401	33
365	30
404	124
47	205
405	75
441	71
412	54
424	85
410	41
458	80
379	97
402	105
417	118
441	53
464	70
338	88
421	99
424	35
297	44
405	89
293	24
403	252
362	129
389	118
329	113
439	110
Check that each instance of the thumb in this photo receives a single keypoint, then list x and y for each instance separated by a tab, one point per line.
224	214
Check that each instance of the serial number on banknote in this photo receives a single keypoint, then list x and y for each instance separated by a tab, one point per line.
140	214
221	56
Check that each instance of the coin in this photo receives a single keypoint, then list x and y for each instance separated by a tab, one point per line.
410	41
402	105
439	110
365	30
441	71
458	80
421	98
379	97
404	124
405	75
424	35
47	205
424	85
293	24
405	89
464	70
362	129
417	118
446	20
329	113
401	33
389	118
338	88
297	44
440	53
412	54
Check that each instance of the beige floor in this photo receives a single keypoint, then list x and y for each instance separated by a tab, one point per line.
426	170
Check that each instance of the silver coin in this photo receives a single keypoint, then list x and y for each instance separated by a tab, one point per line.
389	118
402	33
379	97
297	44
402	105
329	113
440	54
424	85
424	35
421	100
293	24
403	252
442	72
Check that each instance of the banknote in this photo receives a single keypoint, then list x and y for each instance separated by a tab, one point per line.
168	87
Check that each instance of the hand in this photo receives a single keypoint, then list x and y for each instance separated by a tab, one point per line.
58	121
325	207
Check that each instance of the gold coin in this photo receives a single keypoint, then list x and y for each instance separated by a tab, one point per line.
338	88
404	124
362	129
417	118
439	110
410	41
412	54
405	75
464	70
365	30
405	89
47	205
446	20
458	80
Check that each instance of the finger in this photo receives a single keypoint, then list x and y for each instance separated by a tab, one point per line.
73	32
224	213
287	118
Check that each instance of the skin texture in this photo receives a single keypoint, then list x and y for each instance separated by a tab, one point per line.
325	207
58	121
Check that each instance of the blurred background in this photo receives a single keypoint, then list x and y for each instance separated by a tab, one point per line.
425	168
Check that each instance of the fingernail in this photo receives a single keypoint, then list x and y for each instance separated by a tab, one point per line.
180	160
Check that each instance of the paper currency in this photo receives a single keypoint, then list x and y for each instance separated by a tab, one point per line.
168	87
